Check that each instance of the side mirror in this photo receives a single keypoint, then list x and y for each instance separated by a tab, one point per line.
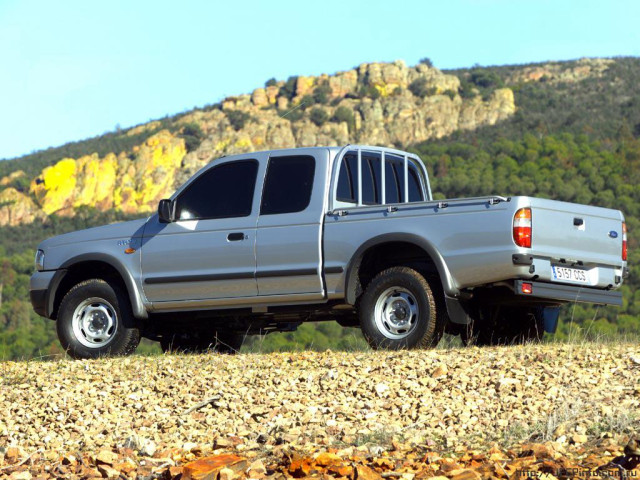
166	210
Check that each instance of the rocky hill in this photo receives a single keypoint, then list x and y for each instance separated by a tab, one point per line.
377	103
461	414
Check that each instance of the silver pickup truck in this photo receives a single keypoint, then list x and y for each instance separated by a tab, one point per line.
263	241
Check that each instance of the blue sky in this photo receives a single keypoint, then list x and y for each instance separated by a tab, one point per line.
75	69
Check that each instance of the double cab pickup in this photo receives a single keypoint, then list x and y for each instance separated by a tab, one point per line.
261	242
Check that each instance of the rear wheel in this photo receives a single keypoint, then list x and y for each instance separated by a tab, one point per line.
200	342
398	311
95	320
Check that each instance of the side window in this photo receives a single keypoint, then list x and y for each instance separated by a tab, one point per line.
397	165
371	165
348	179
345	184
415	190
221	192
288	184
392	188
347	190
368	184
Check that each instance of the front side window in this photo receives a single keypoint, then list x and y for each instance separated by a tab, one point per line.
288	184
223	191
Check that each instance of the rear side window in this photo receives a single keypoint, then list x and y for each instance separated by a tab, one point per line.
392	187
371	165
348	179
345	184
415	189
223	191
288	184
347	190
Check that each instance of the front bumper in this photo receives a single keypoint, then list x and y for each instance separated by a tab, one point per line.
569	293
39	301
42	290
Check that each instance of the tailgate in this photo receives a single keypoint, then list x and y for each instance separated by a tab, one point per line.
575	237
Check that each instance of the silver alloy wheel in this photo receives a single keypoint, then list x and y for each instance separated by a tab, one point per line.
94	322
396	313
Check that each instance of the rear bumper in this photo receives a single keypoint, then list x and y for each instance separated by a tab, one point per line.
568	293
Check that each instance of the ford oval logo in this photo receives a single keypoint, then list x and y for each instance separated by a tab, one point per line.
613	234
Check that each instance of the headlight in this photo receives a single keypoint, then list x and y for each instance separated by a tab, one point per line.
40	260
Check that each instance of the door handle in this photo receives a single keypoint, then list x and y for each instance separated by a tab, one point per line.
236	236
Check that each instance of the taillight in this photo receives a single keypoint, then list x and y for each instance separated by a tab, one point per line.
624	241
522	227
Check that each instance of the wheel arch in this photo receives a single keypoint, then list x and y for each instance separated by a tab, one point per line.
419	244
93	265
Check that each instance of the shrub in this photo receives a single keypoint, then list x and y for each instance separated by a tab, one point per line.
321	94
238	119
289	88
271	82
369	91
485	79
466	89
192	135
450	93
307	101
419	87
318	116
293	115
426	61
344	114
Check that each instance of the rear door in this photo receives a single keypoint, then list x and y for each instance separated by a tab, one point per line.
209	251
288	248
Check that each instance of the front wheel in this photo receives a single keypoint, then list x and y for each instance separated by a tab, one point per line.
95	320
398	311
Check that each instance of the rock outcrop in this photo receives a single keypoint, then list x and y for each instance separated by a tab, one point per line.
560	72
17	208
131	183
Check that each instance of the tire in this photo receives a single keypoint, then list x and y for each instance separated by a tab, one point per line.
95	320
398	311
200	342
500	325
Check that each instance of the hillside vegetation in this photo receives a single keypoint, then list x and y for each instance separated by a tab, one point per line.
566	130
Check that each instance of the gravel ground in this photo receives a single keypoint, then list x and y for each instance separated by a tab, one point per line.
449	399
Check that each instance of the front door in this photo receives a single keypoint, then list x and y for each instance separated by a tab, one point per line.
209	251
290	225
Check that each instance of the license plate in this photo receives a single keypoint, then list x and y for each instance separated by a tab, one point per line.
566	274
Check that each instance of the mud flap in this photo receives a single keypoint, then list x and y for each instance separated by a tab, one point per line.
550	316
457	312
